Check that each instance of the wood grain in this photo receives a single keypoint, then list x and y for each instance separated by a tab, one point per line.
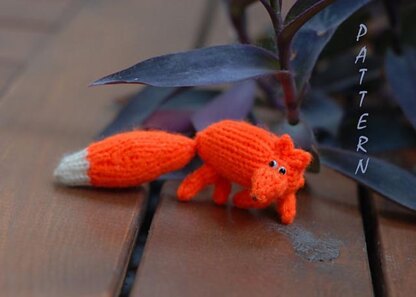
7	71
25	27
396	233
16	46
29	15
57	241
199	249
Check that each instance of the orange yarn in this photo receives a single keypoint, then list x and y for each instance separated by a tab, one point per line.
134	158
269	168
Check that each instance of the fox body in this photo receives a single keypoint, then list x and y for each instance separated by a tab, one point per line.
268	168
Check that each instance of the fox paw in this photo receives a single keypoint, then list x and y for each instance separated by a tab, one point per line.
185	193
288	216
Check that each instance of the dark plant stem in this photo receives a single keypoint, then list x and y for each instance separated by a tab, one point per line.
239	22
285	77
206	21
392	8
274	17
276	5
289	89
284	54
287	81
277	8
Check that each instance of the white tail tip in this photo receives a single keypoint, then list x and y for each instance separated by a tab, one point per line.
73	169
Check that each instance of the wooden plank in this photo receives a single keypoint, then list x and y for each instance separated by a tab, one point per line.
199	249
24	28
396	234
7	71
30	15
56	241
17	45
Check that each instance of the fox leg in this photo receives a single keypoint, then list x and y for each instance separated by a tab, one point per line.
286	207
195	182
222	190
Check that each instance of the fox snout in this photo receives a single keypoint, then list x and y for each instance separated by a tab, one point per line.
267	185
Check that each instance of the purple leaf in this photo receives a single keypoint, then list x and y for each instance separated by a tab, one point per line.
301	7
315	34
389	180
321	112
206	66
191	100
301	12
170	120
137	110
235	104
401	74
175	114
386	132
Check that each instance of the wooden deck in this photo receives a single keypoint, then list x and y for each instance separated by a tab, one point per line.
56	241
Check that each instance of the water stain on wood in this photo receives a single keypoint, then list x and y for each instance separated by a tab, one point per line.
308	245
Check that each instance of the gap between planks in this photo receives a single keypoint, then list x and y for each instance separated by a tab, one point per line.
209	13
79	239
199	249
373	244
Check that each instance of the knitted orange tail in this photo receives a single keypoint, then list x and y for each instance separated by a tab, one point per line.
127	159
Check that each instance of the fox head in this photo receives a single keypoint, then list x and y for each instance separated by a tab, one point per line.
282	175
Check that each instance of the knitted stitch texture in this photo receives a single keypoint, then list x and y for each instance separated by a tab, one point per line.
269	168
128	159
131	159
73	169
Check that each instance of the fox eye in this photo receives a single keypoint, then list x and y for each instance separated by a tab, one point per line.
282	170
273	163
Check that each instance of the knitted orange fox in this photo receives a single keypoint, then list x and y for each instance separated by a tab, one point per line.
268	167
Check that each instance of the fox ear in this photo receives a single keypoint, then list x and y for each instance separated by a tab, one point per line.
284	144
299	159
